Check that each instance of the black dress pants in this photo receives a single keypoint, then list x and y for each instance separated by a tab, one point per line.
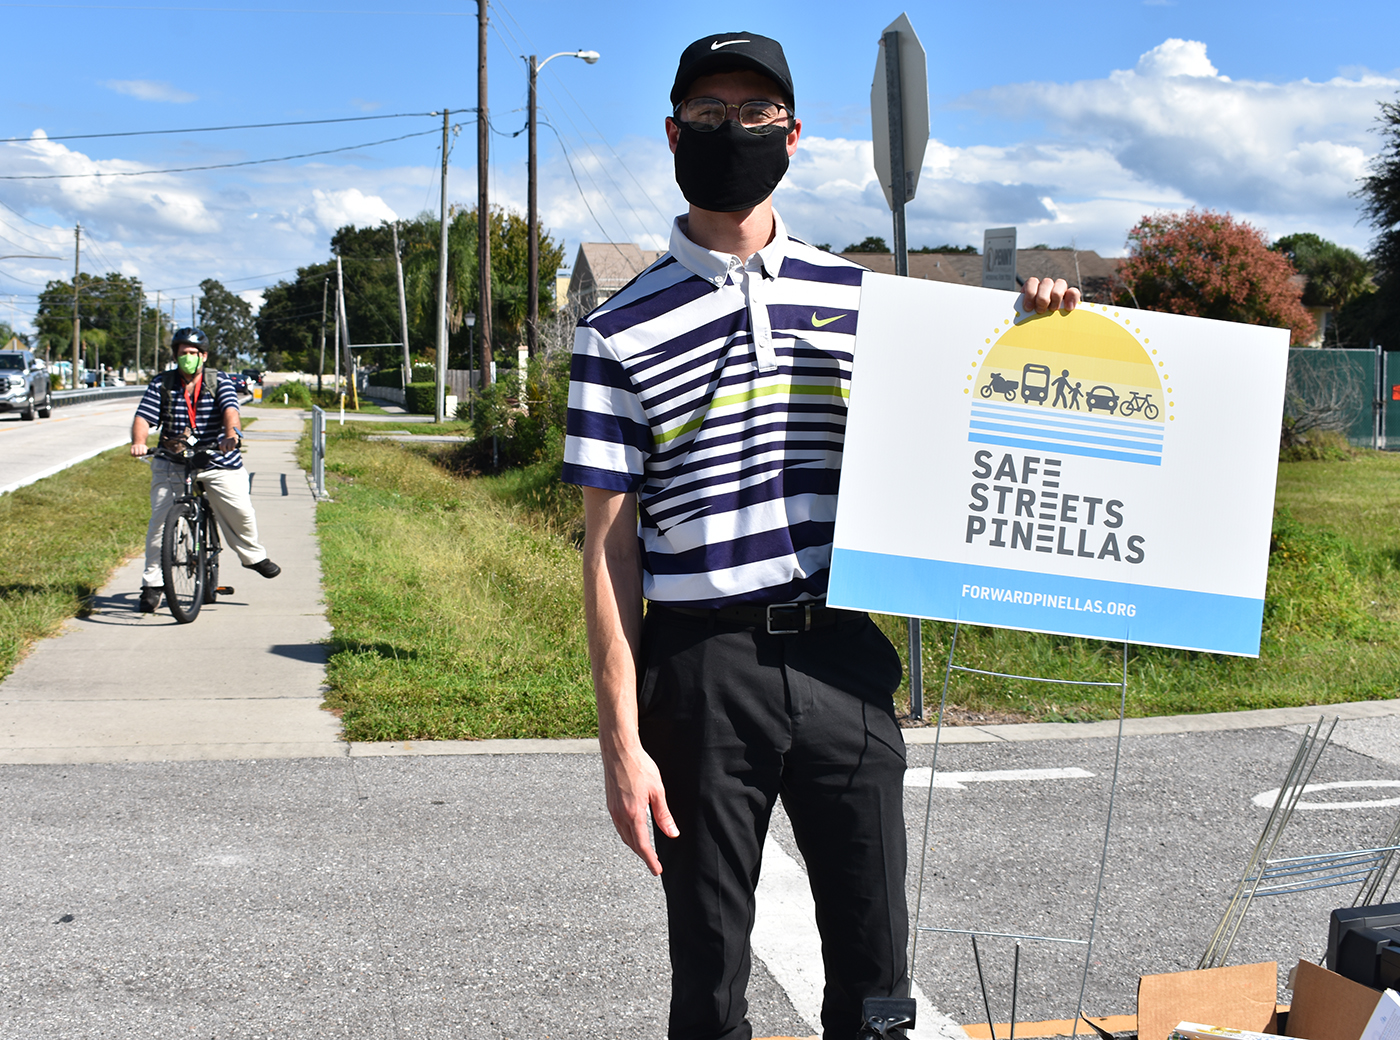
734	719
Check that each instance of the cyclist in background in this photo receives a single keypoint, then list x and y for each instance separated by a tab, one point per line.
196	408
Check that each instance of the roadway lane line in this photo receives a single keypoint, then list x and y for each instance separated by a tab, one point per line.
62	466
919	776
785	939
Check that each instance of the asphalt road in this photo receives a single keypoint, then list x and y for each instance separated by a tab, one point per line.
31	449
486	895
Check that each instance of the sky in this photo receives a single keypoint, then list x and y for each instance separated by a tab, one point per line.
1069	124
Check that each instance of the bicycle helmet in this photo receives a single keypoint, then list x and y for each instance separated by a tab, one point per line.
194	337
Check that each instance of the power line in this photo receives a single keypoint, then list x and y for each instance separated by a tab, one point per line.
228	10
214	166
210	129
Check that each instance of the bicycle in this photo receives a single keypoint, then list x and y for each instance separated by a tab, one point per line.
1143	401
190	546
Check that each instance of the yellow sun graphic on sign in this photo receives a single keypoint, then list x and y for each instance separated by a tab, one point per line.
1092	361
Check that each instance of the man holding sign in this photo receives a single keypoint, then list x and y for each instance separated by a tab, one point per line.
706	422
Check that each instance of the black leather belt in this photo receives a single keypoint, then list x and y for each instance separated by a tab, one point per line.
777	619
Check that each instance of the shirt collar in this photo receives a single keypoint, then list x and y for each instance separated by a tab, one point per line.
714	267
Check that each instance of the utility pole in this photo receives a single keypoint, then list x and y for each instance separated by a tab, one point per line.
345	335
403	310
155	351
440	382
532	318
337	344
140	301
77	252
321	365
483	196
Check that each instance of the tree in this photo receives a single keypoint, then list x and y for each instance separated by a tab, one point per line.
109	303
8	333
228	322
872	244
946	248
1212	266
288	324
1336	276
1380	195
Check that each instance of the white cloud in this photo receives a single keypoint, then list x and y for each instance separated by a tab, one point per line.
333	209
149	90
1294	150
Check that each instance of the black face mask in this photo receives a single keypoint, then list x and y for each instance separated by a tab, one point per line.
729	169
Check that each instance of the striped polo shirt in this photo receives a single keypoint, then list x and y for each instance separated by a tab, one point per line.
208	413
715	389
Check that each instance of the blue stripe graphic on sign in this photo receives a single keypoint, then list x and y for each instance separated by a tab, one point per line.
1026	431
1006	598
1137	431
1067	449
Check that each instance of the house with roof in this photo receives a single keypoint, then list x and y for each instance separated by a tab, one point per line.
602	268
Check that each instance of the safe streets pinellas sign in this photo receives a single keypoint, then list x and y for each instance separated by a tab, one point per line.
1104	472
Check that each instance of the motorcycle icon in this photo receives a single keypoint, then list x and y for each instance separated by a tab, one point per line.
998	385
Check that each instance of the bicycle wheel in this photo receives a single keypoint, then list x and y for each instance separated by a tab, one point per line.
182	562
211	557
1127	408
1151	411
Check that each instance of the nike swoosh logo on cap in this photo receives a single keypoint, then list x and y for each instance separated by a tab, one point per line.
819	322
725	43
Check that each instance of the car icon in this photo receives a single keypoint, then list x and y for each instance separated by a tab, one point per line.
1104	397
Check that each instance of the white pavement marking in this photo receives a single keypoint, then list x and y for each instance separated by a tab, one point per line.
51	470
919	776
1266	799
785	939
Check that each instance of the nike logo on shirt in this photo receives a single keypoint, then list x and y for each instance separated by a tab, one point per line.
819	322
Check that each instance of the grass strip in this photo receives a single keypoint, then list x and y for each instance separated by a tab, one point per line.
61	538
458	611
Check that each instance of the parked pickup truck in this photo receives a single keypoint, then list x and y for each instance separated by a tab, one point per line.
24	384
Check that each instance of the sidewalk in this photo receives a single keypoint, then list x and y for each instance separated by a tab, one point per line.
243	681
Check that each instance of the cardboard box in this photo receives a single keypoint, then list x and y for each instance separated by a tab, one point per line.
1241	996
1327	1006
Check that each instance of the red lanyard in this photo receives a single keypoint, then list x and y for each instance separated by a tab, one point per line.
196	386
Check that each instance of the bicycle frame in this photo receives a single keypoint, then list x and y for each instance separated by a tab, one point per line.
190	544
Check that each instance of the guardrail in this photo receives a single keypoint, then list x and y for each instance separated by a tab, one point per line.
65	397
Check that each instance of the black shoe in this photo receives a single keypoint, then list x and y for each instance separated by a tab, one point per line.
150	598
266	568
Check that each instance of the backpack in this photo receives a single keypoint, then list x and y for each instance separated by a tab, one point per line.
169	383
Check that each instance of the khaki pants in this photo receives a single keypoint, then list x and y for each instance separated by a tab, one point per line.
227	491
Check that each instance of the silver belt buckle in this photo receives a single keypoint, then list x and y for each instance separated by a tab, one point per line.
806	616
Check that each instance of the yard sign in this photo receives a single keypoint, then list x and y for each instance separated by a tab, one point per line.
1106	472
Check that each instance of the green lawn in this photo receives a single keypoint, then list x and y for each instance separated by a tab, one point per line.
458	612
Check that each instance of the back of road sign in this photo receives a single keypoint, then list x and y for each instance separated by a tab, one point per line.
913	87
999	258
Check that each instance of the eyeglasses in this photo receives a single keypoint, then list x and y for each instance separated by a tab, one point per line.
757	117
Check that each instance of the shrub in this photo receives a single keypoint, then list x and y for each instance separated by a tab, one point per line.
421	398
296	394
522	437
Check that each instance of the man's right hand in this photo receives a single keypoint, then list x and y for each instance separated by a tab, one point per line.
634	787
139	448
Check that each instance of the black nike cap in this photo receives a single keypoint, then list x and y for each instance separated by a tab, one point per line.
728	51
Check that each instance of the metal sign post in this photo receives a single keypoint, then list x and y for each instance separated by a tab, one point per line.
999	258
900	129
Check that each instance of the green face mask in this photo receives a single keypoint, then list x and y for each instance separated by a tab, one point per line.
189	363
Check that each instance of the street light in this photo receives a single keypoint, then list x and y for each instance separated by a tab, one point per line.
532	322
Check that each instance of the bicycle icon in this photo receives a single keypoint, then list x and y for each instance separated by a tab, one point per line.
1139	402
